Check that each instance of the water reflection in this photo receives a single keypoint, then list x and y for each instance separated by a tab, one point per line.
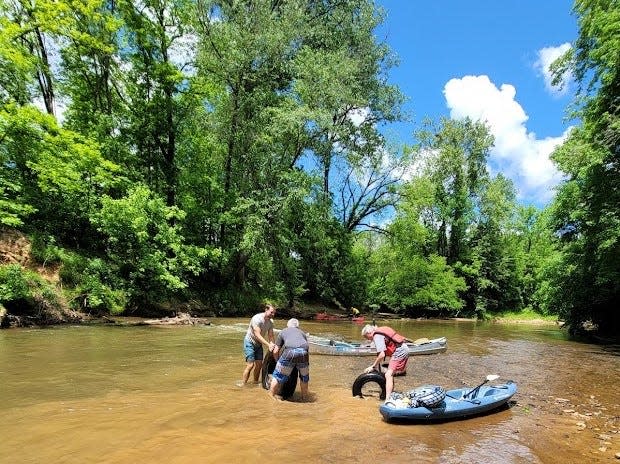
168	394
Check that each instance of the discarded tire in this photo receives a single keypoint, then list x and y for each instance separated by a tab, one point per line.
365	378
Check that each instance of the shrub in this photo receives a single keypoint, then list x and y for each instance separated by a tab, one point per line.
25	292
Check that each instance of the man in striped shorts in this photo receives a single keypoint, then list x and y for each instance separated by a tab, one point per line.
293	344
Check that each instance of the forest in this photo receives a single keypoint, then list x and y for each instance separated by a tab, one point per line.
221	153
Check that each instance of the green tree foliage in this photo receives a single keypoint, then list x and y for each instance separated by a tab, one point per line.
457	243
146	250
17	64
28	32
586	280
92	81
12	211
536	255
299	87
454	154
412	284
497	251
232	151
404	272
54	172
25	293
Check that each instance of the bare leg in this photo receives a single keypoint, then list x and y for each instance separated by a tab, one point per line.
258	365
274	389
389	383
246	372
304	390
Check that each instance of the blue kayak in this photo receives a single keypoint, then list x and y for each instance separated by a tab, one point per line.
457	403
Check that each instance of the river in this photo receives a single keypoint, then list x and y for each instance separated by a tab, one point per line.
108	394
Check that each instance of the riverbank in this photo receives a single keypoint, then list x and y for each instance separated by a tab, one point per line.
302	311
34	296
308	311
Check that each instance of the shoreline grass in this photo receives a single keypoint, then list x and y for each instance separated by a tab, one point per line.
525	316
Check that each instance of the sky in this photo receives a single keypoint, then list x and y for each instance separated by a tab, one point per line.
487	59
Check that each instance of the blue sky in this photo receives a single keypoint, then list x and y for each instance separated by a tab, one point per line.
487	59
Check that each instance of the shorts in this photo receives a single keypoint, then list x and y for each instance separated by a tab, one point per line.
252	352
289	359
399	359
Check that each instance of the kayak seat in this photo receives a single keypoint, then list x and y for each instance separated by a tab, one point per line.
495	390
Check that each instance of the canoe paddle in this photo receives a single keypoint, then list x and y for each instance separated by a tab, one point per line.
489	378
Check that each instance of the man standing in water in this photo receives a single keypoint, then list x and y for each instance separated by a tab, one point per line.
259	333
387	343
294	344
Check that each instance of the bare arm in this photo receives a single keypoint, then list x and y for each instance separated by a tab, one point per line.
260	337
377	364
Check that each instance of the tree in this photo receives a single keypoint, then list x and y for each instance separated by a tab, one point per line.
145	247
495	245
367	189
297	85
55	174
404	274
587	207
257	122
454	155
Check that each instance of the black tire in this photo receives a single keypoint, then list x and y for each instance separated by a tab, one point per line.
363	379
269	365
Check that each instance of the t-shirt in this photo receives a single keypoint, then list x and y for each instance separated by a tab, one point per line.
379	340
258	320
292	337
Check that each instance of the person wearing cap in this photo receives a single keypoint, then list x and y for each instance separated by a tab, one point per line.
259	333
291	351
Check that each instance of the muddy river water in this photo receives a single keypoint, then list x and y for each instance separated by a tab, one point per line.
97	394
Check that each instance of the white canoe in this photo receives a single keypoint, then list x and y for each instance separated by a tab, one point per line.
336	348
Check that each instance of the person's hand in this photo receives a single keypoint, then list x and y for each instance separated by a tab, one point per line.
272	346
369	369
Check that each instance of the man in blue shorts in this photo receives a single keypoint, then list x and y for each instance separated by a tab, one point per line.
259	333
293	344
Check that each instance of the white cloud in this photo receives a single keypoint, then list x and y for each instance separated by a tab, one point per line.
517	153
546	56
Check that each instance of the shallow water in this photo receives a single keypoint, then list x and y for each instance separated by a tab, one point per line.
168	395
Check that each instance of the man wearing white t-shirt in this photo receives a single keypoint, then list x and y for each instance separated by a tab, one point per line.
259	333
